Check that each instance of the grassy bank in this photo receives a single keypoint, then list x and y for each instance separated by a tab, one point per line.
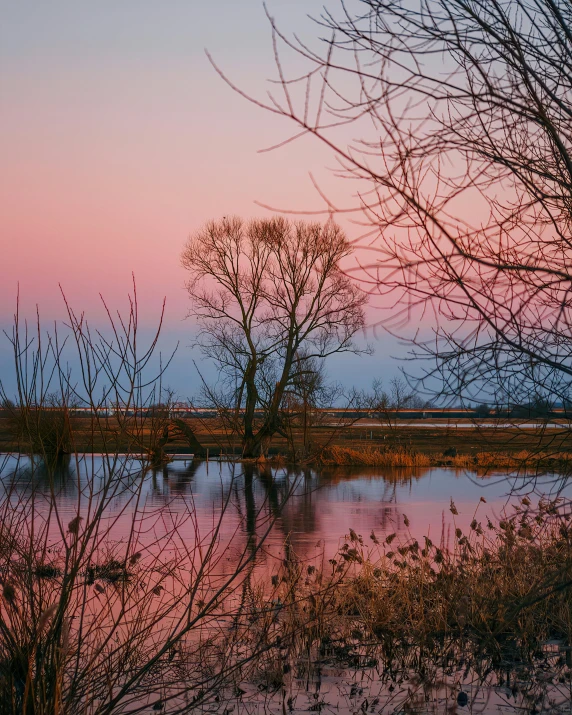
476	447
480	461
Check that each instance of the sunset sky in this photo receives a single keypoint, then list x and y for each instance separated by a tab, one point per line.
118	140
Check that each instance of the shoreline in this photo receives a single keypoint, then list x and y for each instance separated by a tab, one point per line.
350	457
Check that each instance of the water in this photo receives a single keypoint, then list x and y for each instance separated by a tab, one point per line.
307	513
323	507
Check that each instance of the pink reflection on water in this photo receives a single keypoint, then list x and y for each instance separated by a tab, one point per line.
314	521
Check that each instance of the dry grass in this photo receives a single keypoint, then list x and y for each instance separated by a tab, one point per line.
522	460
372	457
504	588
424	615
482	461
434	616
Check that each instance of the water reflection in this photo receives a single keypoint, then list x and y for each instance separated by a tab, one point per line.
58	477
176	509
324	506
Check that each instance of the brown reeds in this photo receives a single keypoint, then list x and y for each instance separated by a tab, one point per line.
494	607
506	588
372	457
525	460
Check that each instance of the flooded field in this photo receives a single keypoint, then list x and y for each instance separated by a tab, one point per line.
249	528
315	509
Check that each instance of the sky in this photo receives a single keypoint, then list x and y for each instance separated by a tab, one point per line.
118	140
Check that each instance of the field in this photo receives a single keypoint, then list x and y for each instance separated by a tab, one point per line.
439	443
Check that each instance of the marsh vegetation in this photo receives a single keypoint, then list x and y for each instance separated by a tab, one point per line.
216	586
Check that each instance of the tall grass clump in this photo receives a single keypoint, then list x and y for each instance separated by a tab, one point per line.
372	457
482	611
513	584
491	596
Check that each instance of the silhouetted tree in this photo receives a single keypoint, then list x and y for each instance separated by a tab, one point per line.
265	292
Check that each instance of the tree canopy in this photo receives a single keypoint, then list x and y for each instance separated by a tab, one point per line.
270	298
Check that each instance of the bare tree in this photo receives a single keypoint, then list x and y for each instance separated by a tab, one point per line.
263	293
463	166
300	412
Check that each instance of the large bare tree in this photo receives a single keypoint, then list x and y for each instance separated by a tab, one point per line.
265	292
463	169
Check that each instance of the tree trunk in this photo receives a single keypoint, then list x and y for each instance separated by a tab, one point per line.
249	446
194	444
255	445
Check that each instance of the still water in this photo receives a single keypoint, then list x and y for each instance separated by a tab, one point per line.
306	512
313	509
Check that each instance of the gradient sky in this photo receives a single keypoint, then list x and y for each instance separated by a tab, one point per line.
118	140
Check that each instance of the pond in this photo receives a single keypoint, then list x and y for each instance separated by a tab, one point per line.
315	509
279	514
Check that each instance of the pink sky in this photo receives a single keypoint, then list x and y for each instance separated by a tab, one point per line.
118	139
